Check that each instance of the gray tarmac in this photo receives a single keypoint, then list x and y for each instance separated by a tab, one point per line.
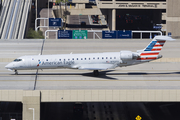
152	75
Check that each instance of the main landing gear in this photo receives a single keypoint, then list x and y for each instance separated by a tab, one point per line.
16	72
96	73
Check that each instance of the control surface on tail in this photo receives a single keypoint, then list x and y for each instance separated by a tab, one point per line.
91	61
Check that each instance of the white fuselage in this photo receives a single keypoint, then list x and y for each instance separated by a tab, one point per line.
91	61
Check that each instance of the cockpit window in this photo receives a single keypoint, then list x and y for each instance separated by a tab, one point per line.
17	60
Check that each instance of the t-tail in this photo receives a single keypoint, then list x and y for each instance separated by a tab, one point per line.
151	52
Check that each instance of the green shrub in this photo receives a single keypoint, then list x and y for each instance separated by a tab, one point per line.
58	1
32	34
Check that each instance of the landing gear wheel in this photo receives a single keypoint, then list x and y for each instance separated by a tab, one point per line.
96	73
16	72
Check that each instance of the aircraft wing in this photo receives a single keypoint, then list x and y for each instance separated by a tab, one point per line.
96	66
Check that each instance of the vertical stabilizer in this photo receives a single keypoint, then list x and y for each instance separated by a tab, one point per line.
151	52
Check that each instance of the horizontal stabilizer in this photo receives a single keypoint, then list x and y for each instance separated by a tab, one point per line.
167	38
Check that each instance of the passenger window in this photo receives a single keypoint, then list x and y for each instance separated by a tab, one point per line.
84	58
46	59
38	60
110	57
68	59
73	59
77	58
93	58
98	58
106	57
81	58
114	57
89	58
102	57
59	59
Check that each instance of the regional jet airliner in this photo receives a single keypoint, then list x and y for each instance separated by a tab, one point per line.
91	61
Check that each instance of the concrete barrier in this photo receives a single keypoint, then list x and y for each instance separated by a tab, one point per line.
121	95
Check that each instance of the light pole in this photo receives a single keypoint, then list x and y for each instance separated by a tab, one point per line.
33	112
48	17
36	9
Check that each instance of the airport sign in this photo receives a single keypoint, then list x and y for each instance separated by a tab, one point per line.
169	34
109	34
55	22
124	34
80	34
64	34
157	27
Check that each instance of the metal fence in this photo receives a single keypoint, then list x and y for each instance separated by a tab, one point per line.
99	34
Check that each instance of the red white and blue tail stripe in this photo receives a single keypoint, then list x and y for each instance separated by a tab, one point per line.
151	52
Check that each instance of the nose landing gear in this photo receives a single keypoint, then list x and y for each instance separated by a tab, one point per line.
16	72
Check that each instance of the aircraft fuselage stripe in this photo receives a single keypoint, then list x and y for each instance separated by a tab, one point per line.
149	54
147	58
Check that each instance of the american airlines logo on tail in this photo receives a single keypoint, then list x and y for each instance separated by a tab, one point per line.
151	52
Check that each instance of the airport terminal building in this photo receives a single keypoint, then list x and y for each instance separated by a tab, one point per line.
161	15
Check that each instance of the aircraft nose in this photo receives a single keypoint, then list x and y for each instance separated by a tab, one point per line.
9	66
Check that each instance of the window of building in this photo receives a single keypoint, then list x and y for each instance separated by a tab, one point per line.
163	21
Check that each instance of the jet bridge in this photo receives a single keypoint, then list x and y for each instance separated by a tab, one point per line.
14	17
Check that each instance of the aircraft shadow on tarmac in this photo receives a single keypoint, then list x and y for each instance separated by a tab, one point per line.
103	74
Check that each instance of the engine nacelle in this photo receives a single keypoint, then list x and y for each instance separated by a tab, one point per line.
127	55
